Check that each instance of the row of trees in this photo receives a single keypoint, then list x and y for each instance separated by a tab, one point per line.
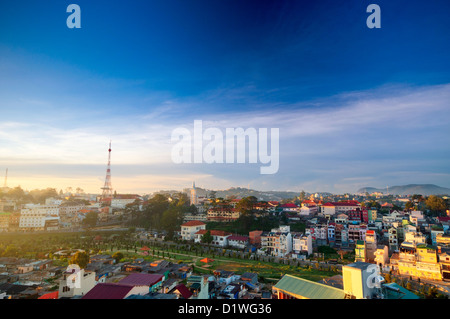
35	196
161	213
435	204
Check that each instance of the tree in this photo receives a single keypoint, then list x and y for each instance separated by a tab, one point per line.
435	204
409	205
117	256
245	206
80	258
171	220
302	196
207	238
91	219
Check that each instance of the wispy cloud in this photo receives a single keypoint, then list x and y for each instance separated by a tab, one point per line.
333	134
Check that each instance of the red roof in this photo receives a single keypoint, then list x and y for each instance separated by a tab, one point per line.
349	203
289	205
238	238
140	279
185	293
213	232
126	196
193	223
108	291
50	295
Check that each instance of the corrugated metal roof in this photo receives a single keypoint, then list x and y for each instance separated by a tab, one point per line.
398	292
308	289
108	291
141	279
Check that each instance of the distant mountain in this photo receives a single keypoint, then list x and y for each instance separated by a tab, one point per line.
240	192
411	189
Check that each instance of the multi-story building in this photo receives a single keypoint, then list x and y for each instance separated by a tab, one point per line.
319	234
255	237
7	206
416	238
443	240
120	201
189	229
356	232
371	245
341	235
302	244
341	219
39	217
238	241
372	215
4	221
290	208
220	237
68	214
195	216
223	213
365	249
444	261
382	255
14	221
393	239
277	242
434	232
76	283
419	261
340	207
331	229
360	251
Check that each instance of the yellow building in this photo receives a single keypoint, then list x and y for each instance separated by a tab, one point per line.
360	251
419	261
443	240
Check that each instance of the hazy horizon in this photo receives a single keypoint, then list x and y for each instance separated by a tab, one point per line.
355	107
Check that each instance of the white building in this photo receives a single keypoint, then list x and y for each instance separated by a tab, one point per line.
308	210
416	238
238	241
302	244
189	229
121	203
76	284
39	217
277	242
339	207
220	237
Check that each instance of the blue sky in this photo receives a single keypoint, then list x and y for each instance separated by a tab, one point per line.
355	106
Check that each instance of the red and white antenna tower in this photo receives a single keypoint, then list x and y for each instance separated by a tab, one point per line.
107	188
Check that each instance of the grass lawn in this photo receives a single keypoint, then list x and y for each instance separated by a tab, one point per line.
270	271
